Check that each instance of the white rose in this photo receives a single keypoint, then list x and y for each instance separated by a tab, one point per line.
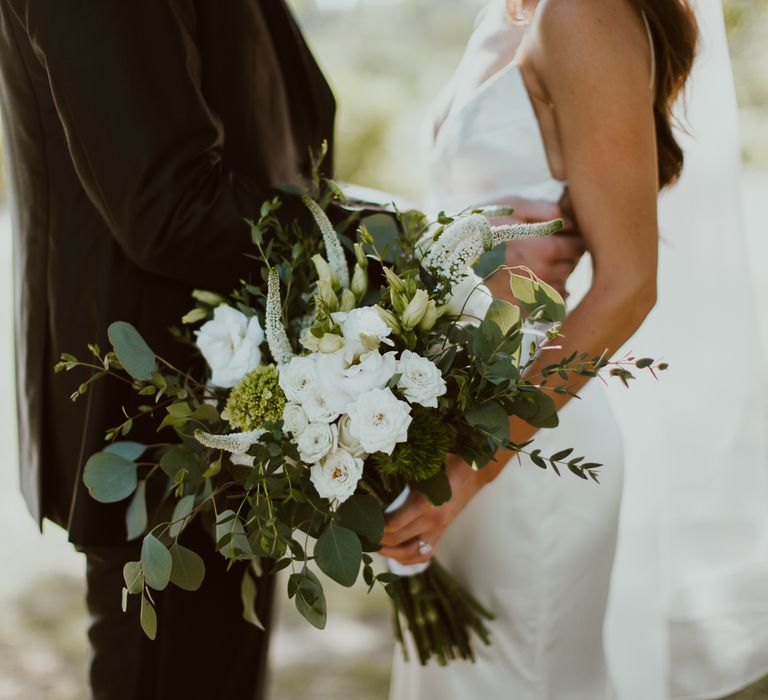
363	330
343	382
379	420
320	406
230	345
337	475
346	440
420	380
294	418
297	377
316	441
470	298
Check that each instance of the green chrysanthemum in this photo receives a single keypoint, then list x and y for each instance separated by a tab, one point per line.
256	400
429	442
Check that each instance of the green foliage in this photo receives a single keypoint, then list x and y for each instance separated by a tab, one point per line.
248	595
309	597
538	300
363	514
132	351
156	562
136	514
339	554
437	488
187	568
110	477
256	400
430	439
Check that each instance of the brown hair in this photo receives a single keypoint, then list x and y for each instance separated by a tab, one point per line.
675	38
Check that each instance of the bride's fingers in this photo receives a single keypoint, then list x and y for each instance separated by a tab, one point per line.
395	538
408	553
416	507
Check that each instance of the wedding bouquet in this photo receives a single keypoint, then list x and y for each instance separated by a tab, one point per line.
292	453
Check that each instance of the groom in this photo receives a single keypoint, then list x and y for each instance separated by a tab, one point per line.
140	135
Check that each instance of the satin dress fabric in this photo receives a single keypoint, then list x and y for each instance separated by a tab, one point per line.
536	549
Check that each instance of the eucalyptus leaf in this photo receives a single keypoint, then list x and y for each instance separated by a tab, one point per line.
132	351
236	543
437	488
339	554
156	561
136	513
187	568
309	598
110	477
148	618
385	234
133	576
127	449
363	514
505	315
491	417
248	595
534	294
181	510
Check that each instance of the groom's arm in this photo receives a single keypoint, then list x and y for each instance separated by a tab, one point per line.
125	80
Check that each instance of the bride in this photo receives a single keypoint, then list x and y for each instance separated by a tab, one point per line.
580	97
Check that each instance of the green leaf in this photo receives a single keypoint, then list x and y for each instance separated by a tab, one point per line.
132	351
187	568
363	515
536	408
136	514
385	234
491	417
182	457
181	510
133	576
491	260
505	315
110	477
126	449
535	294
236	546
339	554
310	597
560	456
148	618
248	594
156	561
437	488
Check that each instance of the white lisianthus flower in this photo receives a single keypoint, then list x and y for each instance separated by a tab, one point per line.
420	379
470	298
336	477
322	407
297	377
316	441
343	383
363	330
294	418
230	345
347	441
379	420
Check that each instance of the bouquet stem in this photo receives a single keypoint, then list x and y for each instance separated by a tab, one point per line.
440	616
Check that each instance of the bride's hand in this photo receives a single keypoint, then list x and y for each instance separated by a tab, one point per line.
418	521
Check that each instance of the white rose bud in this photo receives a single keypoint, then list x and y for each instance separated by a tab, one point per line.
420	379
316	441
324	271
359	282
329	343
415	310
230	345
297	377
429	319
348	300
337	476
346	440
379	420
294	418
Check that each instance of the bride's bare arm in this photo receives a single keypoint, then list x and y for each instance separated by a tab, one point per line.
593	59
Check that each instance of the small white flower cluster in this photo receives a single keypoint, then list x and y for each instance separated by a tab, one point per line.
343	406
468	237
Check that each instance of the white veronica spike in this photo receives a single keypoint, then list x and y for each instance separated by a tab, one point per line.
277	337
333	248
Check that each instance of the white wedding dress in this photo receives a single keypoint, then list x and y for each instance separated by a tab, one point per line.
536	549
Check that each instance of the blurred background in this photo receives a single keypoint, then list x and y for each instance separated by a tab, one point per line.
386	60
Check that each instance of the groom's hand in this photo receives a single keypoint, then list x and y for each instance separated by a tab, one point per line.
553	258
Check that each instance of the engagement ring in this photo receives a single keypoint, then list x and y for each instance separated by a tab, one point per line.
424	548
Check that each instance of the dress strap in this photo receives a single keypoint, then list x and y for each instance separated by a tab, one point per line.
653	50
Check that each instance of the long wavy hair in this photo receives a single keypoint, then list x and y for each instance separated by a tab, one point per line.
675	40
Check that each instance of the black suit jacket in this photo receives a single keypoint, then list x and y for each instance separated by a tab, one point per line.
140	134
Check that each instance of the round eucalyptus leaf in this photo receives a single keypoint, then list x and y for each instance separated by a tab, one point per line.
148	618
363	514
136	514
157	562
338	553
134	579
110	477
126	448
188	569
132	351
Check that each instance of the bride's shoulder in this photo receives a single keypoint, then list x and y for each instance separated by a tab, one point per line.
597	33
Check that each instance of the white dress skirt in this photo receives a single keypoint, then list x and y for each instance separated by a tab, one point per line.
534	548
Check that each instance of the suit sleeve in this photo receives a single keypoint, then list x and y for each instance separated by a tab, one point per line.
125	81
